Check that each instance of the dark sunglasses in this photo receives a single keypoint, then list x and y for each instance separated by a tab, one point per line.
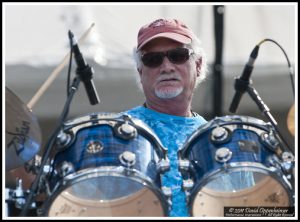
176	56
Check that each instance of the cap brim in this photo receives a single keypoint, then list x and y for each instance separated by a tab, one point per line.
169	35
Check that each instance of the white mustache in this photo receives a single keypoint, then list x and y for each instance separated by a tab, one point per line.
168	77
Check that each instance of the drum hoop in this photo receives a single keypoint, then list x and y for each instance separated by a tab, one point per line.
222	121
253	167
235	166
97	119
105	171
91	117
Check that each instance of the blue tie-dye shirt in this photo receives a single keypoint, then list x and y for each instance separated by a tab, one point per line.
173	131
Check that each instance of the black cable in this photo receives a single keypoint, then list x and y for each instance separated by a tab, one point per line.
293	88
49	145
70	66
70	93
69	69
288	61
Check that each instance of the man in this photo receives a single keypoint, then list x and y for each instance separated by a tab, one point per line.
170	63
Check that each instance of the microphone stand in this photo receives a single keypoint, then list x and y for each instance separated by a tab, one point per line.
50	143
265	109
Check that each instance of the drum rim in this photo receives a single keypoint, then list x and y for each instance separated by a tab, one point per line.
116	171
93	116
273	172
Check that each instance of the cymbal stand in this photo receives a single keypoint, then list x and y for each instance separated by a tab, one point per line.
287	162
266	111
44	169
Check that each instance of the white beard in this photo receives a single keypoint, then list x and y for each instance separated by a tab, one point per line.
168	94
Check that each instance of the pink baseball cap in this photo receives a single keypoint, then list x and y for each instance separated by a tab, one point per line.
166	28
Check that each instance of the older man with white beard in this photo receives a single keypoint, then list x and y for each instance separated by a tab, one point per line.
170	63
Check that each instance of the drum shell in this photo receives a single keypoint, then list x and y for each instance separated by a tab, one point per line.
146	157
201	152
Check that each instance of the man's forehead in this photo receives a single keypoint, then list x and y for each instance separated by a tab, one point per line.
161	43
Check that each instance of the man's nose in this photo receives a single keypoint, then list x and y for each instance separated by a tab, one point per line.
167	66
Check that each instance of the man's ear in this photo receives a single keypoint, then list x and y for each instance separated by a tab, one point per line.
198	66
139	71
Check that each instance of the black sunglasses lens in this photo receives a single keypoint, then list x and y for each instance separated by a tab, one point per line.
176	56
179	55
153	59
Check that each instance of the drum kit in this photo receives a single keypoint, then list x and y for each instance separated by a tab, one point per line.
105	164
108	164
111	165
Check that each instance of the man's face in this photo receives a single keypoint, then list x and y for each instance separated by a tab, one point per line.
168	80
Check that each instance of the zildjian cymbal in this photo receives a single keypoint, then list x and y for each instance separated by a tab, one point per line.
22	132
291	120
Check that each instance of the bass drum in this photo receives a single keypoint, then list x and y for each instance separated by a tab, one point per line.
231	162
108	165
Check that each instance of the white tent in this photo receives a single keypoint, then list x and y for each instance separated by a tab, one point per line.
36	41
37	33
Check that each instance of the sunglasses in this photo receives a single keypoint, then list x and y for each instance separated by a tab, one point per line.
176	56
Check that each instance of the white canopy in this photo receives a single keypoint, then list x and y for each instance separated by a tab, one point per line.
37	33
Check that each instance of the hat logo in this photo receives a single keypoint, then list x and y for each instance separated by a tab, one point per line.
159	22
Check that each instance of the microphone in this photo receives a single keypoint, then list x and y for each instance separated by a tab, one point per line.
85	72
241	84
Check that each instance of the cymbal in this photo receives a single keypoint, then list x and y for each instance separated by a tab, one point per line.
291	120
22	132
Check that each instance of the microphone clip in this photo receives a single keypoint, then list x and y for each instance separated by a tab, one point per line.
241	85
85	74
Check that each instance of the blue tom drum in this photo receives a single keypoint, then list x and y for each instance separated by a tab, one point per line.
233	161
107	165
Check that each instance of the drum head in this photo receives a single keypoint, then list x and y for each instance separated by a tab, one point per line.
237	189
108	196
